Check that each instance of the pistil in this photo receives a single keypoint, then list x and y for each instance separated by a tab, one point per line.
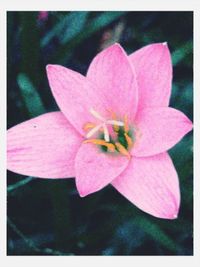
120	141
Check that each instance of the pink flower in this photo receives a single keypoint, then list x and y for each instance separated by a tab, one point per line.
114	126
43	15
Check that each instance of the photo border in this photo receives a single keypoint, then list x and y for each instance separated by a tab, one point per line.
124	5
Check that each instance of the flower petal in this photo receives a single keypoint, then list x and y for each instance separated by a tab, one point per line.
114	75
95	169
159	130
152	185
43	147
75	95
153	68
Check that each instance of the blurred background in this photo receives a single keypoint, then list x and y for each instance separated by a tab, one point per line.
47	217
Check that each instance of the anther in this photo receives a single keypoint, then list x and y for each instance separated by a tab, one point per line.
128	140
89	125
122	149
100	142
114	117
126	127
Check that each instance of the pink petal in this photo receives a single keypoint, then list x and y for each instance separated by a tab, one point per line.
153	67
112	72
43	147
152	185
75	95
96	169
159	130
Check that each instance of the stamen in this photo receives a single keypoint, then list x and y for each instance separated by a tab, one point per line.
97	115
128	140
89	125
126	127
120	136
106	133
94	130
114	117
100	142
115	123
122	150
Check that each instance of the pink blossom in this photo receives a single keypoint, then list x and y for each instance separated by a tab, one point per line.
114	127
43	15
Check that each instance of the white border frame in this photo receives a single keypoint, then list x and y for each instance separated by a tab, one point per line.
95	5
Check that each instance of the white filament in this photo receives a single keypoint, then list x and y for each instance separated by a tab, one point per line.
114	122
106	133
97	115
94	130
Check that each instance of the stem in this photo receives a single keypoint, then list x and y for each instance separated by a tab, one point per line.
31	244
61	208
19	184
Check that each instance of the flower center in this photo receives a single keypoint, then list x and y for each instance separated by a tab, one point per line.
111	135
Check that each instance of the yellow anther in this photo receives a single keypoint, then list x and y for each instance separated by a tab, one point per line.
128	140
95	141
100	142
114	117
122	149
126	128
111	147
88	125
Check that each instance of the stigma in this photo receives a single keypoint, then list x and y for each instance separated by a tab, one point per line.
103	124
110	134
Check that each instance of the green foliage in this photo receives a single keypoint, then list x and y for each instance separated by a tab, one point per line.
19	184
181	53
93	26
152	229
66	28
30	95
